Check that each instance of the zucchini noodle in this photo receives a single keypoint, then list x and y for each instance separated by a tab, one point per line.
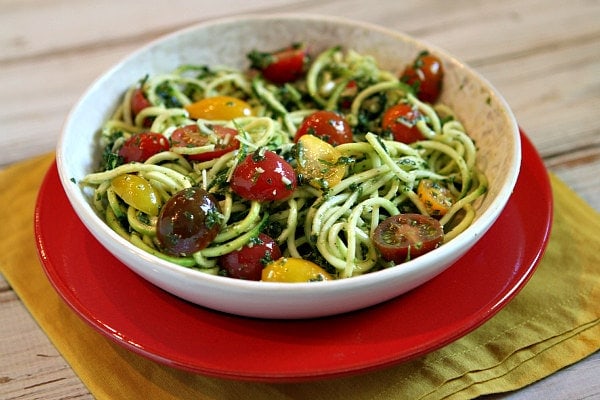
331	226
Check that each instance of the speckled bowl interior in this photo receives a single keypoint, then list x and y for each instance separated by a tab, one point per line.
481	109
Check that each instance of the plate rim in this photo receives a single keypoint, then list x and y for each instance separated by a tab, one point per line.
531	158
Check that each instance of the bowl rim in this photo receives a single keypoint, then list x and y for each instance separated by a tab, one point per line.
476	229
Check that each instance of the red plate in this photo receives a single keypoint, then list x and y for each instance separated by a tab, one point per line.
148	321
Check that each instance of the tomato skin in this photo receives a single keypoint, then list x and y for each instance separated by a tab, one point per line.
317	162
188	222
139	101
402	237
328	125
223	108
426	74
137	192
282	66
263	176
141	146
249	261
401	120
190	136
294	270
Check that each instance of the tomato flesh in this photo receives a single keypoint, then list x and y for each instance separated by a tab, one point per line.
426	75
190	136
437	198
188	222
328	125
286	65
263	176
142	146
223	108
403	237
249	261
401	120
294	270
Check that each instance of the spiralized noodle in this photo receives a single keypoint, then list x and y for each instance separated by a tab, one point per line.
332	227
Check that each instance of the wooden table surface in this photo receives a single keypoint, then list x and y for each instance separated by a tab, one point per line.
543	55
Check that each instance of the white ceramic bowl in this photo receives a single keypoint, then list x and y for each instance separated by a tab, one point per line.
483	111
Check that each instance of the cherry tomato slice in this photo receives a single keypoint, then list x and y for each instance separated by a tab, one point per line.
328	125
318	162
190	136
436	197
249	261
403	237
188	222
142	146
138	102
285	65
137	192
294	270
426	75
401	120
263	176
222	108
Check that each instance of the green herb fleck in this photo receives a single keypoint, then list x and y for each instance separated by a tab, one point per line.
213	217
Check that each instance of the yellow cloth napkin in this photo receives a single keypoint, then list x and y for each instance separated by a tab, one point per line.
551	323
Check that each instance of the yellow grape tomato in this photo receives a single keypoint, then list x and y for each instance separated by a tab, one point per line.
222	108
294	270
436	197
137	192
318	162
